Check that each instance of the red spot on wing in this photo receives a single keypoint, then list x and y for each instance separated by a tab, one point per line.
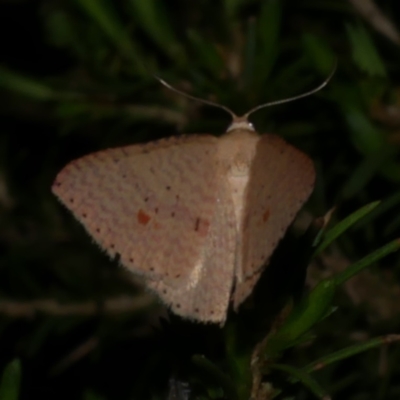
266	216
201	226
143	218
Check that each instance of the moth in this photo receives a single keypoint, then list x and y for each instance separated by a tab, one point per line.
198	217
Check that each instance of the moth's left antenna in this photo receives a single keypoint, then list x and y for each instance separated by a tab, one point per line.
208	102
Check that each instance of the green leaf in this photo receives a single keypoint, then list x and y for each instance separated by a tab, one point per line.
269	27
317	305
304	378
64	31
10	381
303	317
366	137
362	175
349	352
238	358
59	27
320	53
26	86
40	336
250	53
268	32
89	395
385	206
365	54
206	53
102	12
344	225
152	17
232	7
371	258
219	376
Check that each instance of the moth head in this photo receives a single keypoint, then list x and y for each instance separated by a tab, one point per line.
241	123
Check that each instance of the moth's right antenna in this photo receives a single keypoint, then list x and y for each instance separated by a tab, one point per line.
299	96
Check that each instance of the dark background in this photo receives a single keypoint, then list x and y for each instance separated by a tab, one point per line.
76	76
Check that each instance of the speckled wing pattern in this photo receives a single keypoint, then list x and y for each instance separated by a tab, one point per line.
208	299
165	209
281	180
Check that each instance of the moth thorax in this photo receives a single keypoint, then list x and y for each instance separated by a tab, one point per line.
240	166
237	151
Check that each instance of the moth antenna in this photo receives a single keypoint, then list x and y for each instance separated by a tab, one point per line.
300	96
208	102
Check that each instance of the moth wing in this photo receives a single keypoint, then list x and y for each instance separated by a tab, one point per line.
153	205
207	296
281	180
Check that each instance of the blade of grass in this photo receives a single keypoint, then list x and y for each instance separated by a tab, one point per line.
365	54
32	88
317	305
324	222
206	53
361	175
344	225
105	16
219	376
151	15
319	52
349	352
268	32
232	7
89	395
386	205
26	86
367	137
305	379
10	381
249	53
305	315
367	261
